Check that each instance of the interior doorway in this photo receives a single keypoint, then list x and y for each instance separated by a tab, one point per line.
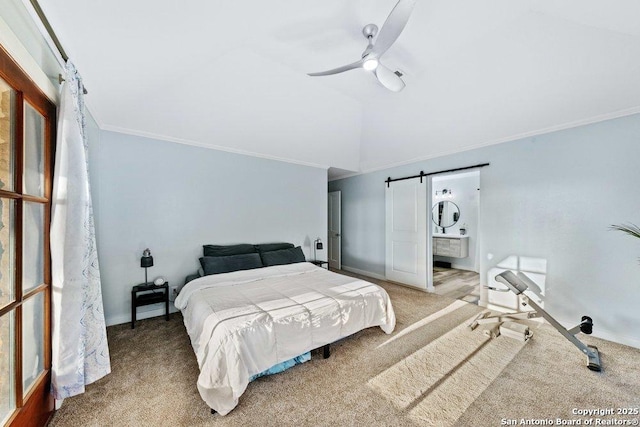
454	234
432	232
335	230
457	284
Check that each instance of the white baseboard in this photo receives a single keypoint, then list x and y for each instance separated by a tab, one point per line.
614	337
126	318
605	335
625	340
363	272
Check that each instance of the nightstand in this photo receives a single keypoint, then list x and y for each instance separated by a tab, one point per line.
158	295
320	263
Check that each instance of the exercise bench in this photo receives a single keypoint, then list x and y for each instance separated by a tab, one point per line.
517	284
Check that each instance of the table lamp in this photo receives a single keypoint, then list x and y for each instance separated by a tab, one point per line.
146	261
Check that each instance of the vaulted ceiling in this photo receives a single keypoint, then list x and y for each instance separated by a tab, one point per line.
232	75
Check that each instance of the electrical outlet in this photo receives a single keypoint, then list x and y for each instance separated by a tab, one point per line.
173	294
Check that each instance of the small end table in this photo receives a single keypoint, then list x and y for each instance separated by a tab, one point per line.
147	298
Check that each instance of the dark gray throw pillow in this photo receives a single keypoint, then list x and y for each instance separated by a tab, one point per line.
269	247
227	264
227	250
283	256
191	277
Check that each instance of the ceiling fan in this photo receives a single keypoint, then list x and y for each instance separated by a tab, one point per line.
389	33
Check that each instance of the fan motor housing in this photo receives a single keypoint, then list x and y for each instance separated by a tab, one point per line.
370	30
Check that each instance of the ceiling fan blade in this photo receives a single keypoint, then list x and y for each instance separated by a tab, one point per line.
388	78
342	69
393	26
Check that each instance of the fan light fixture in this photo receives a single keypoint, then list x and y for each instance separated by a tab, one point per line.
370	64
384	39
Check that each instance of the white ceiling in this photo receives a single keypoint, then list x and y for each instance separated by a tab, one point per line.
232	75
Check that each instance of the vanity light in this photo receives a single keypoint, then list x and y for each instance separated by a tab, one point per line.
444	193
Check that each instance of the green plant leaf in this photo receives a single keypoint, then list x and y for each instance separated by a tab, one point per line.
630	229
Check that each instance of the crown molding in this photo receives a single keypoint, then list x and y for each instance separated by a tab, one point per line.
192	143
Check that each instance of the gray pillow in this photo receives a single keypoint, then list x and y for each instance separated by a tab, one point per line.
268	247
191	277
227	264
283	256
227	250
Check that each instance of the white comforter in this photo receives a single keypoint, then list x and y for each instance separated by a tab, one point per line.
245	322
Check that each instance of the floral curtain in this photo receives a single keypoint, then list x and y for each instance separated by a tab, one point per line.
80	351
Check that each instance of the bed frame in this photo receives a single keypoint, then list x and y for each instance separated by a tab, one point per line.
326	353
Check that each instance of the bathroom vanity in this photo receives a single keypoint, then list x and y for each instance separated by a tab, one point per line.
451	245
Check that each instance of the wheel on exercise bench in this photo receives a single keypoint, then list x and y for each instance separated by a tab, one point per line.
586	325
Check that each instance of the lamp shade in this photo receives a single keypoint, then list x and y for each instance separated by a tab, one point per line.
147	259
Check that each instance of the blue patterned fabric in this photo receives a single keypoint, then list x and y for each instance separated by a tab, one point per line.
280	367
80	353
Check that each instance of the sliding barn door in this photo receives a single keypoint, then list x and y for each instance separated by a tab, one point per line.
406	232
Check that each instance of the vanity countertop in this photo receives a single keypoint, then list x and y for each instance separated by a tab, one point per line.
450	236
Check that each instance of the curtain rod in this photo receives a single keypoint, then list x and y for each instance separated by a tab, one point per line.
422	174
47	27
52	35
61	79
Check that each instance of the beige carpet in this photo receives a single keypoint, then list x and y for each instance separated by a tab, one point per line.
431	371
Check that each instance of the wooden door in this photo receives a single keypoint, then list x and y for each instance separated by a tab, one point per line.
27	132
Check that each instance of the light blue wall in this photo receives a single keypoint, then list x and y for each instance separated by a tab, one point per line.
174	198
550	197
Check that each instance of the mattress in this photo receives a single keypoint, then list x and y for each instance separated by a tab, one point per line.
245	322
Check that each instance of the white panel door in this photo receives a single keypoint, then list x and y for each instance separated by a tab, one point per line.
335	233
406	232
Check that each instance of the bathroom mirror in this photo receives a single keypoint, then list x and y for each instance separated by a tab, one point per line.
445	214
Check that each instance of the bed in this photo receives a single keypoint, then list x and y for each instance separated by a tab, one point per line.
243	322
